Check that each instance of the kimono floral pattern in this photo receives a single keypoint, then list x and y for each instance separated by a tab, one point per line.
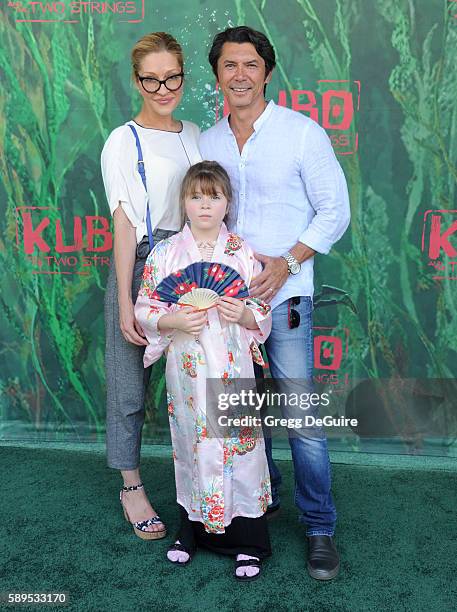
228	457
148	289
261	307
195	496
171	408
162	246
246	441
210	469
239	444
150	271
212	508
256	354
200	428
231	369
189	363
225	377
152	311
264	495
151	274
189	402
233	244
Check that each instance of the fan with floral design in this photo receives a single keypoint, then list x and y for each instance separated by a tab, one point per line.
201	284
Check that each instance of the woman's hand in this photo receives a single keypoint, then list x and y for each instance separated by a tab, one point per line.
187	319
130	327
124	259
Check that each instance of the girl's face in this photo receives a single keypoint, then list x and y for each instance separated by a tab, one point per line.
160	66
206	212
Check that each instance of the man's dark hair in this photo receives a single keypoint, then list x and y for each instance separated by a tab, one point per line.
243	34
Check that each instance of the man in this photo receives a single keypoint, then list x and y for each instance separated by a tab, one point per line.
290	202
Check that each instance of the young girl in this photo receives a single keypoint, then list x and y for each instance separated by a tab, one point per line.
223	485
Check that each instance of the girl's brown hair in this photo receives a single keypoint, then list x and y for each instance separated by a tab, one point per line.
153	43
208	177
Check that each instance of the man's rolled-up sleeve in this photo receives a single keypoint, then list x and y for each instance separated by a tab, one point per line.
326	190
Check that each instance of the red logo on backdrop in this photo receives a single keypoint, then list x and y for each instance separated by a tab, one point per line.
130	11
335	109
439	242
330	350
40	235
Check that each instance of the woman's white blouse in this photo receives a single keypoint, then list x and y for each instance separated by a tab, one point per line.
167	157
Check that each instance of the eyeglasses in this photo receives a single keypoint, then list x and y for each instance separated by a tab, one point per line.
293	316
151	85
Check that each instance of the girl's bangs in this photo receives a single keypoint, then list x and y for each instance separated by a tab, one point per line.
207	184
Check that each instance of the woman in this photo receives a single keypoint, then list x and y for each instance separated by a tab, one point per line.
143	163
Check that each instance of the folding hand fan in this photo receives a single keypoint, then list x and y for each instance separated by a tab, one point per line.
201	284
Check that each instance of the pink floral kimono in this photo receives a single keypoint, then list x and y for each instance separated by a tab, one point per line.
217	478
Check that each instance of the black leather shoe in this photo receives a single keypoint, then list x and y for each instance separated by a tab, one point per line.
323	559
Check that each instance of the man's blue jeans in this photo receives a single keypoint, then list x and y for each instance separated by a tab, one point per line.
290	356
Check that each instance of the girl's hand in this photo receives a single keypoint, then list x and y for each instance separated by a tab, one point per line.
186	319
231	309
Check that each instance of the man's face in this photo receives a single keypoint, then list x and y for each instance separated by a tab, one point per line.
241	75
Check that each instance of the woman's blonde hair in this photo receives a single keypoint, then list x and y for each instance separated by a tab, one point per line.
207	176
153	43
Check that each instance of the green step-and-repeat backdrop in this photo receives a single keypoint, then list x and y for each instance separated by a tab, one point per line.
379	75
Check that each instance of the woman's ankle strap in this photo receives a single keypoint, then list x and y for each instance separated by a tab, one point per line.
133	487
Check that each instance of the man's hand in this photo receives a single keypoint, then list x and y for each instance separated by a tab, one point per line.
130	328
273	276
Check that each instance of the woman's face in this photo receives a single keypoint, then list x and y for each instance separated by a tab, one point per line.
160	66
206	212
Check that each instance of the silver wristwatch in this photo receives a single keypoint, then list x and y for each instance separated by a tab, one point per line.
292	264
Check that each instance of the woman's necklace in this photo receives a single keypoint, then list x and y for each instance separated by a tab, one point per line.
180	140
175	127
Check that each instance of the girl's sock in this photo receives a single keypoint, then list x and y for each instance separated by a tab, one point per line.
177	556
246	570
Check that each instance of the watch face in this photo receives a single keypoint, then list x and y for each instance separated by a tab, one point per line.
294	268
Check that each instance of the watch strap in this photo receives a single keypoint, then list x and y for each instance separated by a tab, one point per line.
291	261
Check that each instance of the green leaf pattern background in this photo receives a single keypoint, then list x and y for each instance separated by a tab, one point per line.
66	86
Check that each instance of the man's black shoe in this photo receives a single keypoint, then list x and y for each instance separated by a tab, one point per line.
272	511
323	559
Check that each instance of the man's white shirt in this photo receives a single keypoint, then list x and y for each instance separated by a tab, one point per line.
287	187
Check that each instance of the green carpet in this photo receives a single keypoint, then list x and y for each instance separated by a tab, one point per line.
62	530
